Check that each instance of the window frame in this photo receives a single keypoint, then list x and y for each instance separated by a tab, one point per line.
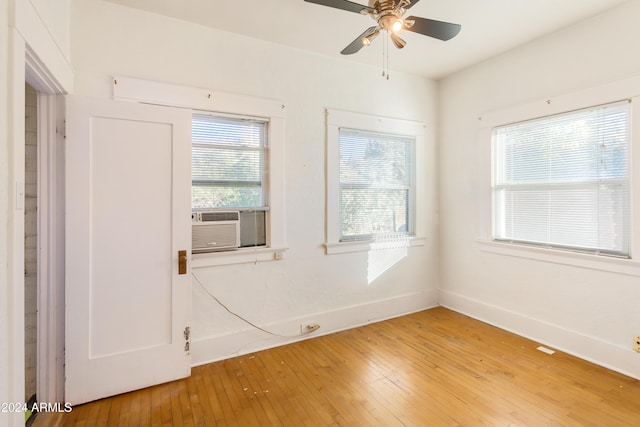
627	89
546	186
337	119
213	101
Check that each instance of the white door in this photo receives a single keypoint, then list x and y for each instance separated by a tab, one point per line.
128	213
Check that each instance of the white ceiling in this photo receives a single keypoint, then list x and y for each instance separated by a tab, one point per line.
489	27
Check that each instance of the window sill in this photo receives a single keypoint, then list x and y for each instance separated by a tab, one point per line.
366	246
576	259
240	256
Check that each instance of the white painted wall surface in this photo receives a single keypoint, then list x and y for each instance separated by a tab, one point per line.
14	260
55	17
587	312
6	386
44	27
306	285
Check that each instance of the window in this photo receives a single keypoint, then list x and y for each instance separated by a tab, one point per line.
376	179
229	158
563	181
376	185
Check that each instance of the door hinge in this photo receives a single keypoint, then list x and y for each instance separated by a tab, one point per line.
187	338
61	129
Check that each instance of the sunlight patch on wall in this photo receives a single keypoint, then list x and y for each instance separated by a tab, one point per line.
383	255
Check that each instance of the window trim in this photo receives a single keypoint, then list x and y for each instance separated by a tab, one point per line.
209	100
336	119
607	93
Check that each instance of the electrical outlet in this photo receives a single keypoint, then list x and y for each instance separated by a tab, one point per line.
636	343
309	327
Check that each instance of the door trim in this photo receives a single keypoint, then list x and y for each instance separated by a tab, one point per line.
50	361
50	317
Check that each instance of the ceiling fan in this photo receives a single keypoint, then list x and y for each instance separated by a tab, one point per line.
389	16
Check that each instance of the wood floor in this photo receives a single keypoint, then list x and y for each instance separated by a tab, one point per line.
433	368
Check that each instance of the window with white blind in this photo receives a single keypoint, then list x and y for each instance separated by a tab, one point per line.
563	181
229	173
376	185
229	162
376	182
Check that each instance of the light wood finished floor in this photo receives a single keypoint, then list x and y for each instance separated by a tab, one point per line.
433	368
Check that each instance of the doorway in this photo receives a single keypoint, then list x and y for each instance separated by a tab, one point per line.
44	237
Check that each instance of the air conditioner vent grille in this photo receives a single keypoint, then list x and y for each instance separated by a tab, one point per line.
215	231
207	238
220	216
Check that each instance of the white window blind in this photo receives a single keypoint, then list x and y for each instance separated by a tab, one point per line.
228	162
563	181
376	185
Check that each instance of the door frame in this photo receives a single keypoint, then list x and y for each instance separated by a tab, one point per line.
50	318
23	37
50	236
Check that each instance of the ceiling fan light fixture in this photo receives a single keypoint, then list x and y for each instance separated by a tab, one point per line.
368	39
397	41
397	25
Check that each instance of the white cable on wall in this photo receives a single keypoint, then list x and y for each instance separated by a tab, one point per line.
237	315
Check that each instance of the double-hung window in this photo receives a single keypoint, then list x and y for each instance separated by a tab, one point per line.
376	182
229	170
563	181
376	185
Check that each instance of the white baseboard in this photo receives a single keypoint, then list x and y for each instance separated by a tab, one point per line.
614	357
213	348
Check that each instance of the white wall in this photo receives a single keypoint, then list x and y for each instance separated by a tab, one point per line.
55	18
588	312
333	290
43	25
6	386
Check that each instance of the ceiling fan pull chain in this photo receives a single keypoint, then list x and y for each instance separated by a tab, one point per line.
384	44
384	61
385	56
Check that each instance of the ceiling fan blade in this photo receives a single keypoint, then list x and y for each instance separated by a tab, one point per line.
432	28
357	44
344	5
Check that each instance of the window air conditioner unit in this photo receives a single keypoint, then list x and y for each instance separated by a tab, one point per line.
215	231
